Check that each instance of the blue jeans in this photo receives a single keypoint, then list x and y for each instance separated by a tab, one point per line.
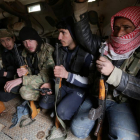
122	123
70	102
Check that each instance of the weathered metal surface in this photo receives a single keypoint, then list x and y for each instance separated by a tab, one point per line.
36	131
40	134
1	126
4	137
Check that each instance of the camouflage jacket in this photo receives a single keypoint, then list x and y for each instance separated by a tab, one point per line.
45	65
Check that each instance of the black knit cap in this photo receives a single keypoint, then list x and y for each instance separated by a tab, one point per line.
67	23
27	33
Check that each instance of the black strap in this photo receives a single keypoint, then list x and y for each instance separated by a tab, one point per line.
33	66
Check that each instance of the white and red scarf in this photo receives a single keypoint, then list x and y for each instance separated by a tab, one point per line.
123	47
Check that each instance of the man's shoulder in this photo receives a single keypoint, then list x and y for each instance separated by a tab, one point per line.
24	53
47	47
82	50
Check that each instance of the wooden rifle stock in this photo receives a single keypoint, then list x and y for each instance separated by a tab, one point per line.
99	128
35	111
101	90
25	66
2	107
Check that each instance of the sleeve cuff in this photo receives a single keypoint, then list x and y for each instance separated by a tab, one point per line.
10	75
1	73
115	77
25	80
79	8
69	77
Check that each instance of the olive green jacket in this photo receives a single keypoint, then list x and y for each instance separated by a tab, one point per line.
45	65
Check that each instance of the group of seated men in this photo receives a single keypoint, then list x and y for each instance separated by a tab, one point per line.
80	68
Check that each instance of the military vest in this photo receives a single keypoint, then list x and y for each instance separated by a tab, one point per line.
130	66
76	64
77	61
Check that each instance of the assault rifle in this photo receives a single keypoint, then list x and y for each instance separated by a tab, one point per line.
100	111
44	90
22	65
58	121
57	83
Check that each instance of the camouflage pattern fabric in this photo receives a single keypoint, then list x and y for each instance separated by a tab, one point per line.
45	65
6	33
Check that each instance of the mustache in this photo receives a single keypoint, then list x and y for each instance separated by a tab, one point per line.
28	51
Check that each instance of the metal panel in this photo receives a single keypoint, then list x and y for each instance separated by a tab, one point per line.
36	131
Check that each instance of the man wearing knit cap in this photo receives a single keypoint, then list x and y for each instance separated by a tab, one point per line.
37	55
121	71
9	62
74	69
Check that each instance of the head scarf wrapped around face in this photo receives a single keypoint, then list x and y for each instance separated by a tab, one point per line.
124	46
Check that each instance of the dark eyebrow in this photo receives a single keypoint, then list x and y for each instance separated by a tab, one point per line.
62	31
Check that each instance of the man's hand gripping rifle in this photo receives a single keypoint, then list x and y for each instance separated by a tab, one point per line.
100	111
20	59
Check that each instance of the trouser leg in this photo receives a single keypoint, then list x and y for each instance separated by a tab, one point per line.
81	125
6	96
69	103
122	123
27	93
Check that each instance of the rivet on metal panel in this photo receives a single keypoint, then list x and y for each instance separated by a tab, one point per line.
40	134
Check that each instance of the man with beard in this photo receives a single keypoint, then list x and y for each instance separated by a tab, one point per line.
120	67
37	55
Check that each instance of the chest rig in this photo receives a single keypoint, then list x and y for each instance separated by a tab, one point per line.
130	66
76	62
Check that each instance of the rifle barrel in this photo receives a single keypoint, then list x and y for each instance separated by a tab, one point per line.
17	54
57	59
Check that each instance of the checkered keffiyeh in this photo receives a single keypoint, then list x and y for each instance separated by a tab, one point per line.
122	47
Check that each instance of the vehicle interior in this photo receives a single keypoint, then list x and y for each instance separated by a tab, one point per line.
43	15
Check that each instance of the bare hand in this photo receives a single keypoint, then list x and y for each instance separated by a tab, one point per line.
104	66
22	71
46	85
60	71
13	83
81	1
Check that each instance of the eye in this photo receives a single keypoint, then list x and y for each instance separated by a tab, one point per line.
116	28
63	32
127	27
8	39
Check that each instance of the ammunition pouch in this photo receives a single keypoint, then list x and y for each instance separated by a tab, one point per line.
129	84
